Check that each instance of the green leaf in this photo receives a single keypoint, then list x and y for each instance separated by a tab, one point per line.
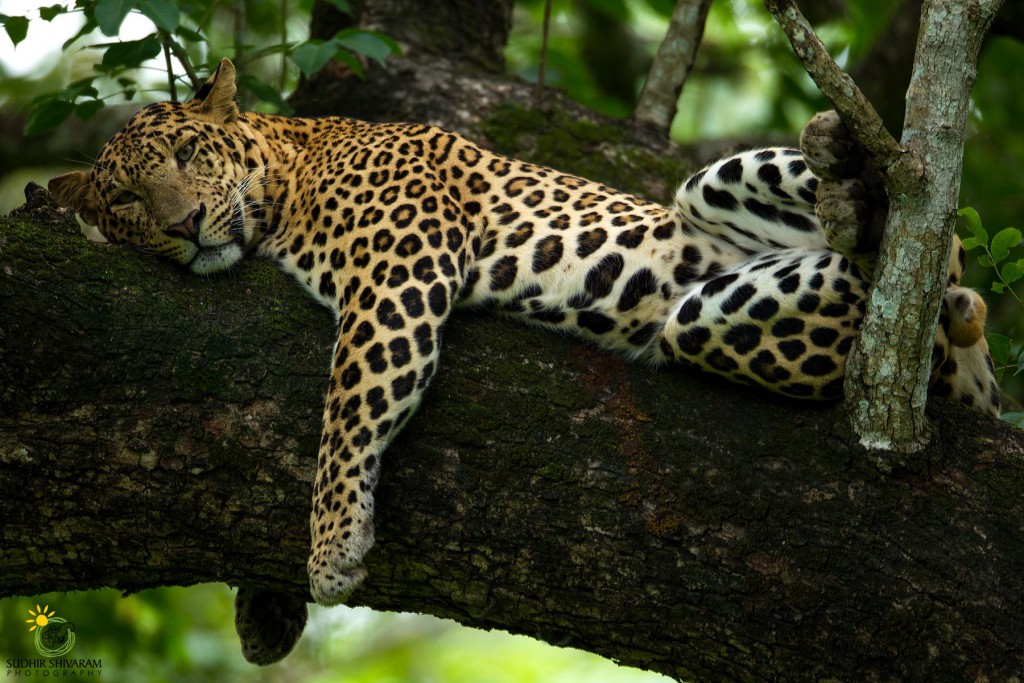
312	55
985	262
80	88
89	27
130	54
1013	271
970	243
350	60
342	6
372	45
1016	419
163	13
49	13
189	34
1004	240
973	222
267	93
1020	365
998	287
16	27
110	13
999	346
86	110
47	116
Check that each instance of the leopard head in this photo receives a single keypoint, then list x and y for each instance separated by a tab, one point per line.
180	180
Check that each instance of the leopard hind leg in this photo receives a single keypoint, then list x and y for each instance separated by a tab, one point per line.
784	321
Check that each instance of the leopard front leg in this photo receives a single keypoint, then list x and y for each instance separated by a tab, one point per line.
381	366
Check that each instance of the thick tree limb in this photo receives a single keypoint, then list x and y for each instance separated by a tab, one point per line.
157	429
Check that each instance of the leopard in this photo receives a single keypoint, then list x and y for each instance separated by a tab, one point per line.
393	226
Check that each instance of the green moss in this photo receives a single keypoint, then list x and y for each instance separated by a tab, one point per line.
603	152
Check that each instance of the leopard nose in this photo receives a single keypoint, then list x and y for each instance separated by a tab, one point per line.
188	228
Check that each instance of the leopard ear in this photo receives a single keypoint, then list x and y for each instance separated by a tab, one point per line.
74	191
215	99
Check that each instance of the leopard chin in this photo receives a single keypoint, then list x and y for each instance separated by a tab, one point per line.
210	260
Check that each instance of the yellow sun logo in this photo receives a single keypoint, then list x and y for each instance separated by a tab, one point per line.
53	635
40	617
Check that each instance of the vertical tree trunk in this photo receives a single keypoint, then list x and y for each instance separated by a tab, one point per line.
888	371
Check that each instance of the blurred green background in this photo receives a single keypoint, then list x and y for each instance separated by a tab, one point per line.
186	635
746	85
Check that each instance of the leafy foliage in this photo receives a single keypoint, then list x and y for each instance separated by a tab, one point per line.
182	31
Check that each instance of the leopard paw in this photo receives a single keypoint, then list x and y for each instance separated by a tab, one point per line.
851	202
331	582
829	149
336	563
847	218
967	313
268	623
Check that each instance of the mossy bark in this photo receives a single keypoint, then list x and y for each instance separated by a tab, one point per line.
157	429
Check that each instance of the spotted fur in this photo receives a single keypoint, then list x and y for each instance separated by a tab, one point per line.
392	226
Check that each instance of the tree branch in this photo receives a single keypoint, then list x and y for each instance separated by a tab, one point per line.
158	429
182	56
672	64
856	111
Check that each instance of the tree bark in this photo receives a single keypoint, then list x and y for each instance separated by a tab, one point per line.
158	429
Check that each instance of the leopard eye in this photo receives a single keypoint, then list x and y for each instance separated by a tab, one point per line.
186	152
124	197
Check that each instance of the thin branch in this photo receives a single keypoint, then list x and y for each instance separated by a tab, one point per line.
888	369
284	39
182	56
671	66
856	111
172	87
538	93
